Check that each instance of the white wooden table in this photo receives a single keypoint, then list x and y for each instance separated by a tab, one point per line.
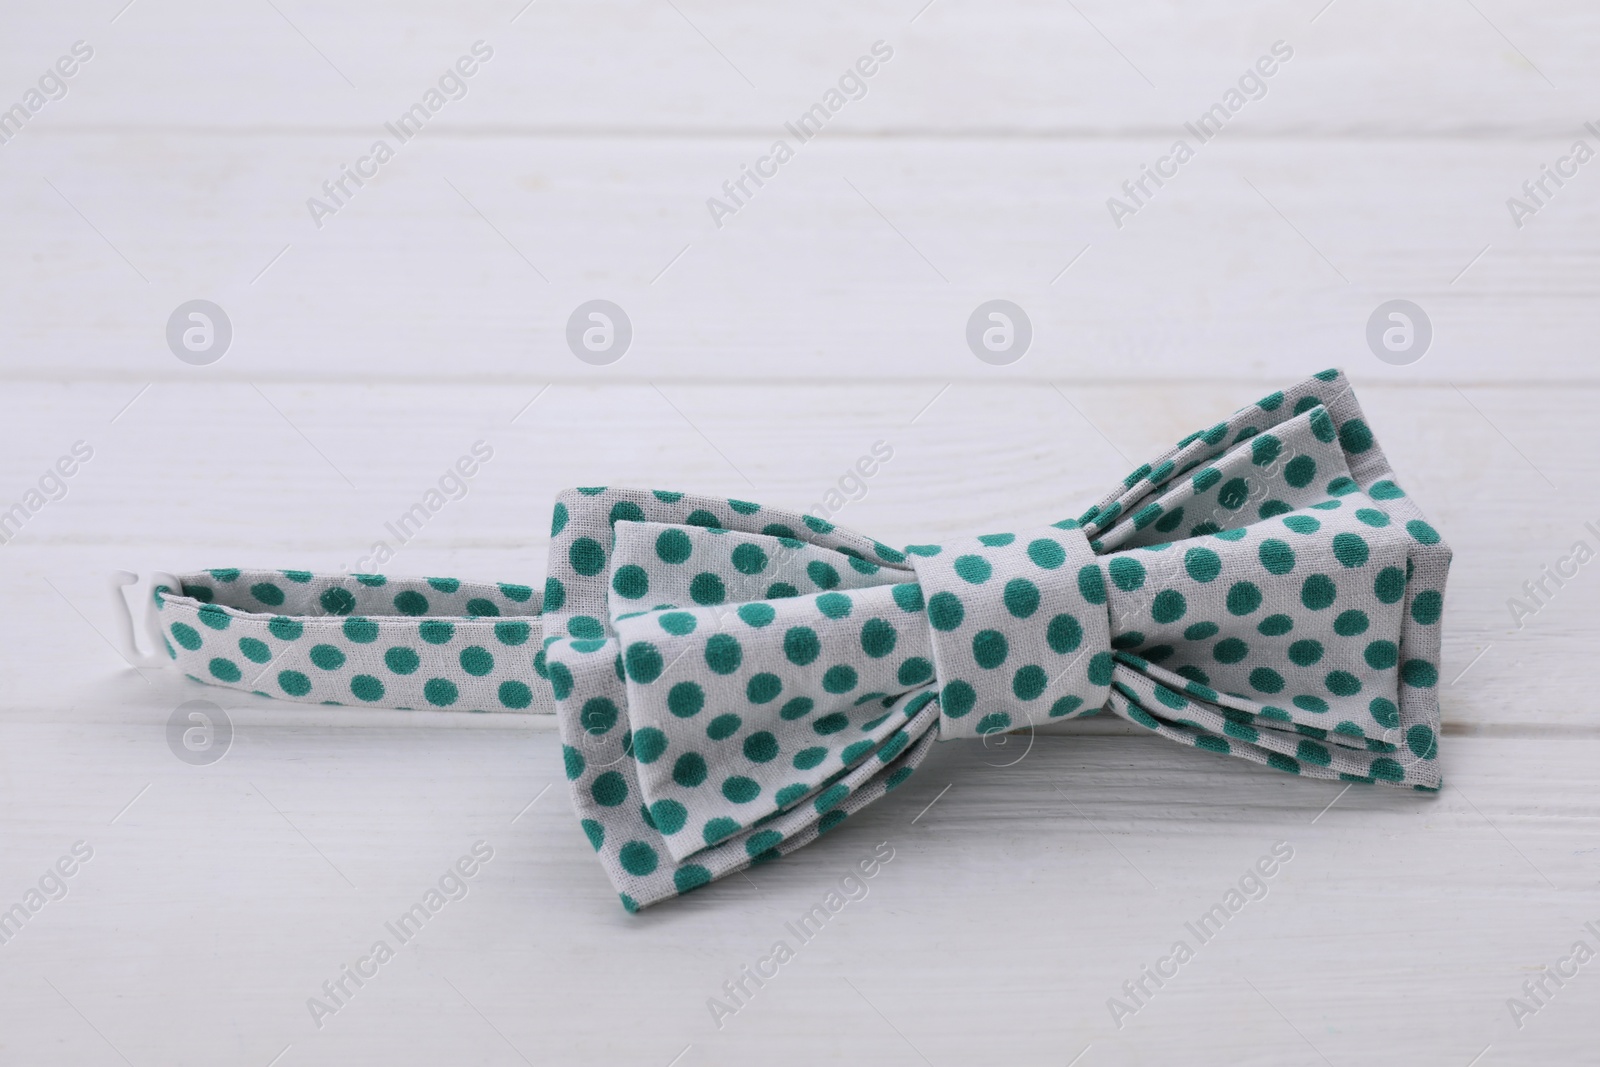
1027	884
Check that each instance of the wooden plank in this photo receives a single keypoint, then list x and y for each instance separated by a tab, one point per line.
466	258
1024	67
1013	910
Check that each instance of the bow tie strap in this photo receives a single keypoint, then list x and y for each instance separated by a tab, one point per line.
428	643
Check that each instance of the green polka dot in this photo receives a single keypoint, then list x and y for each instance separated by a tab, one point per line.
908	596
631	581
555	594
822	574
914	671
1390	585
1168	606
706	589
1266	680
669	817
1342	683
1350	623
224	669
1127	573
1065	706
1264	449
1276	556
511	633
648	744
586	556
638	858
945	611
673	546
361	631
989	648
186	635
440	692
797	708
878	638
677	623
267	593
740	790
1275	626
1300	471
1424	533
749	559
756	615
1421	742
763	688
685	699
993	723
595	832
1021	598
336	601
401	660
801	645
1281	762
1046	553
1302	524
294	683
1419	673
1381	655
957	699
1212	744
840	678
281	628
689	770
723	726
625	511
644	663
718	829
1100	668
558	520
761	747
366	687
1350	549
1318	592
808	758
1233	494
560	680
1426	607
214	617
411	602
1202	564
480	606
1354	437
1029	682
515	694
1243	598
1305	653
973	569
598	716
327	657
445	585
253	650
1206	479
1200	631
834	605
1230	650
476	661
1385	712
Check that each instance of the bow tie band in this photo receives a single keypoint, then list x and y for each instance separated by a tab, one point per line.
435	643
733	681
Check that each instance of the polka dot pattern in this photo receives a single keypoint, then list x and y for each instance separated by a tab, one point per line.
1021	647
1265	590
435	643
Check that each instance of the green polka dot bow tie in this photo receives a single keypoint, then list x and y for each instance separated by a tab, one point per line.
733	681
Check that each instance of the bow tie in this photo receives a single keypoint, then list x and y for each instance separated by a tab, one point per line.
733	681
